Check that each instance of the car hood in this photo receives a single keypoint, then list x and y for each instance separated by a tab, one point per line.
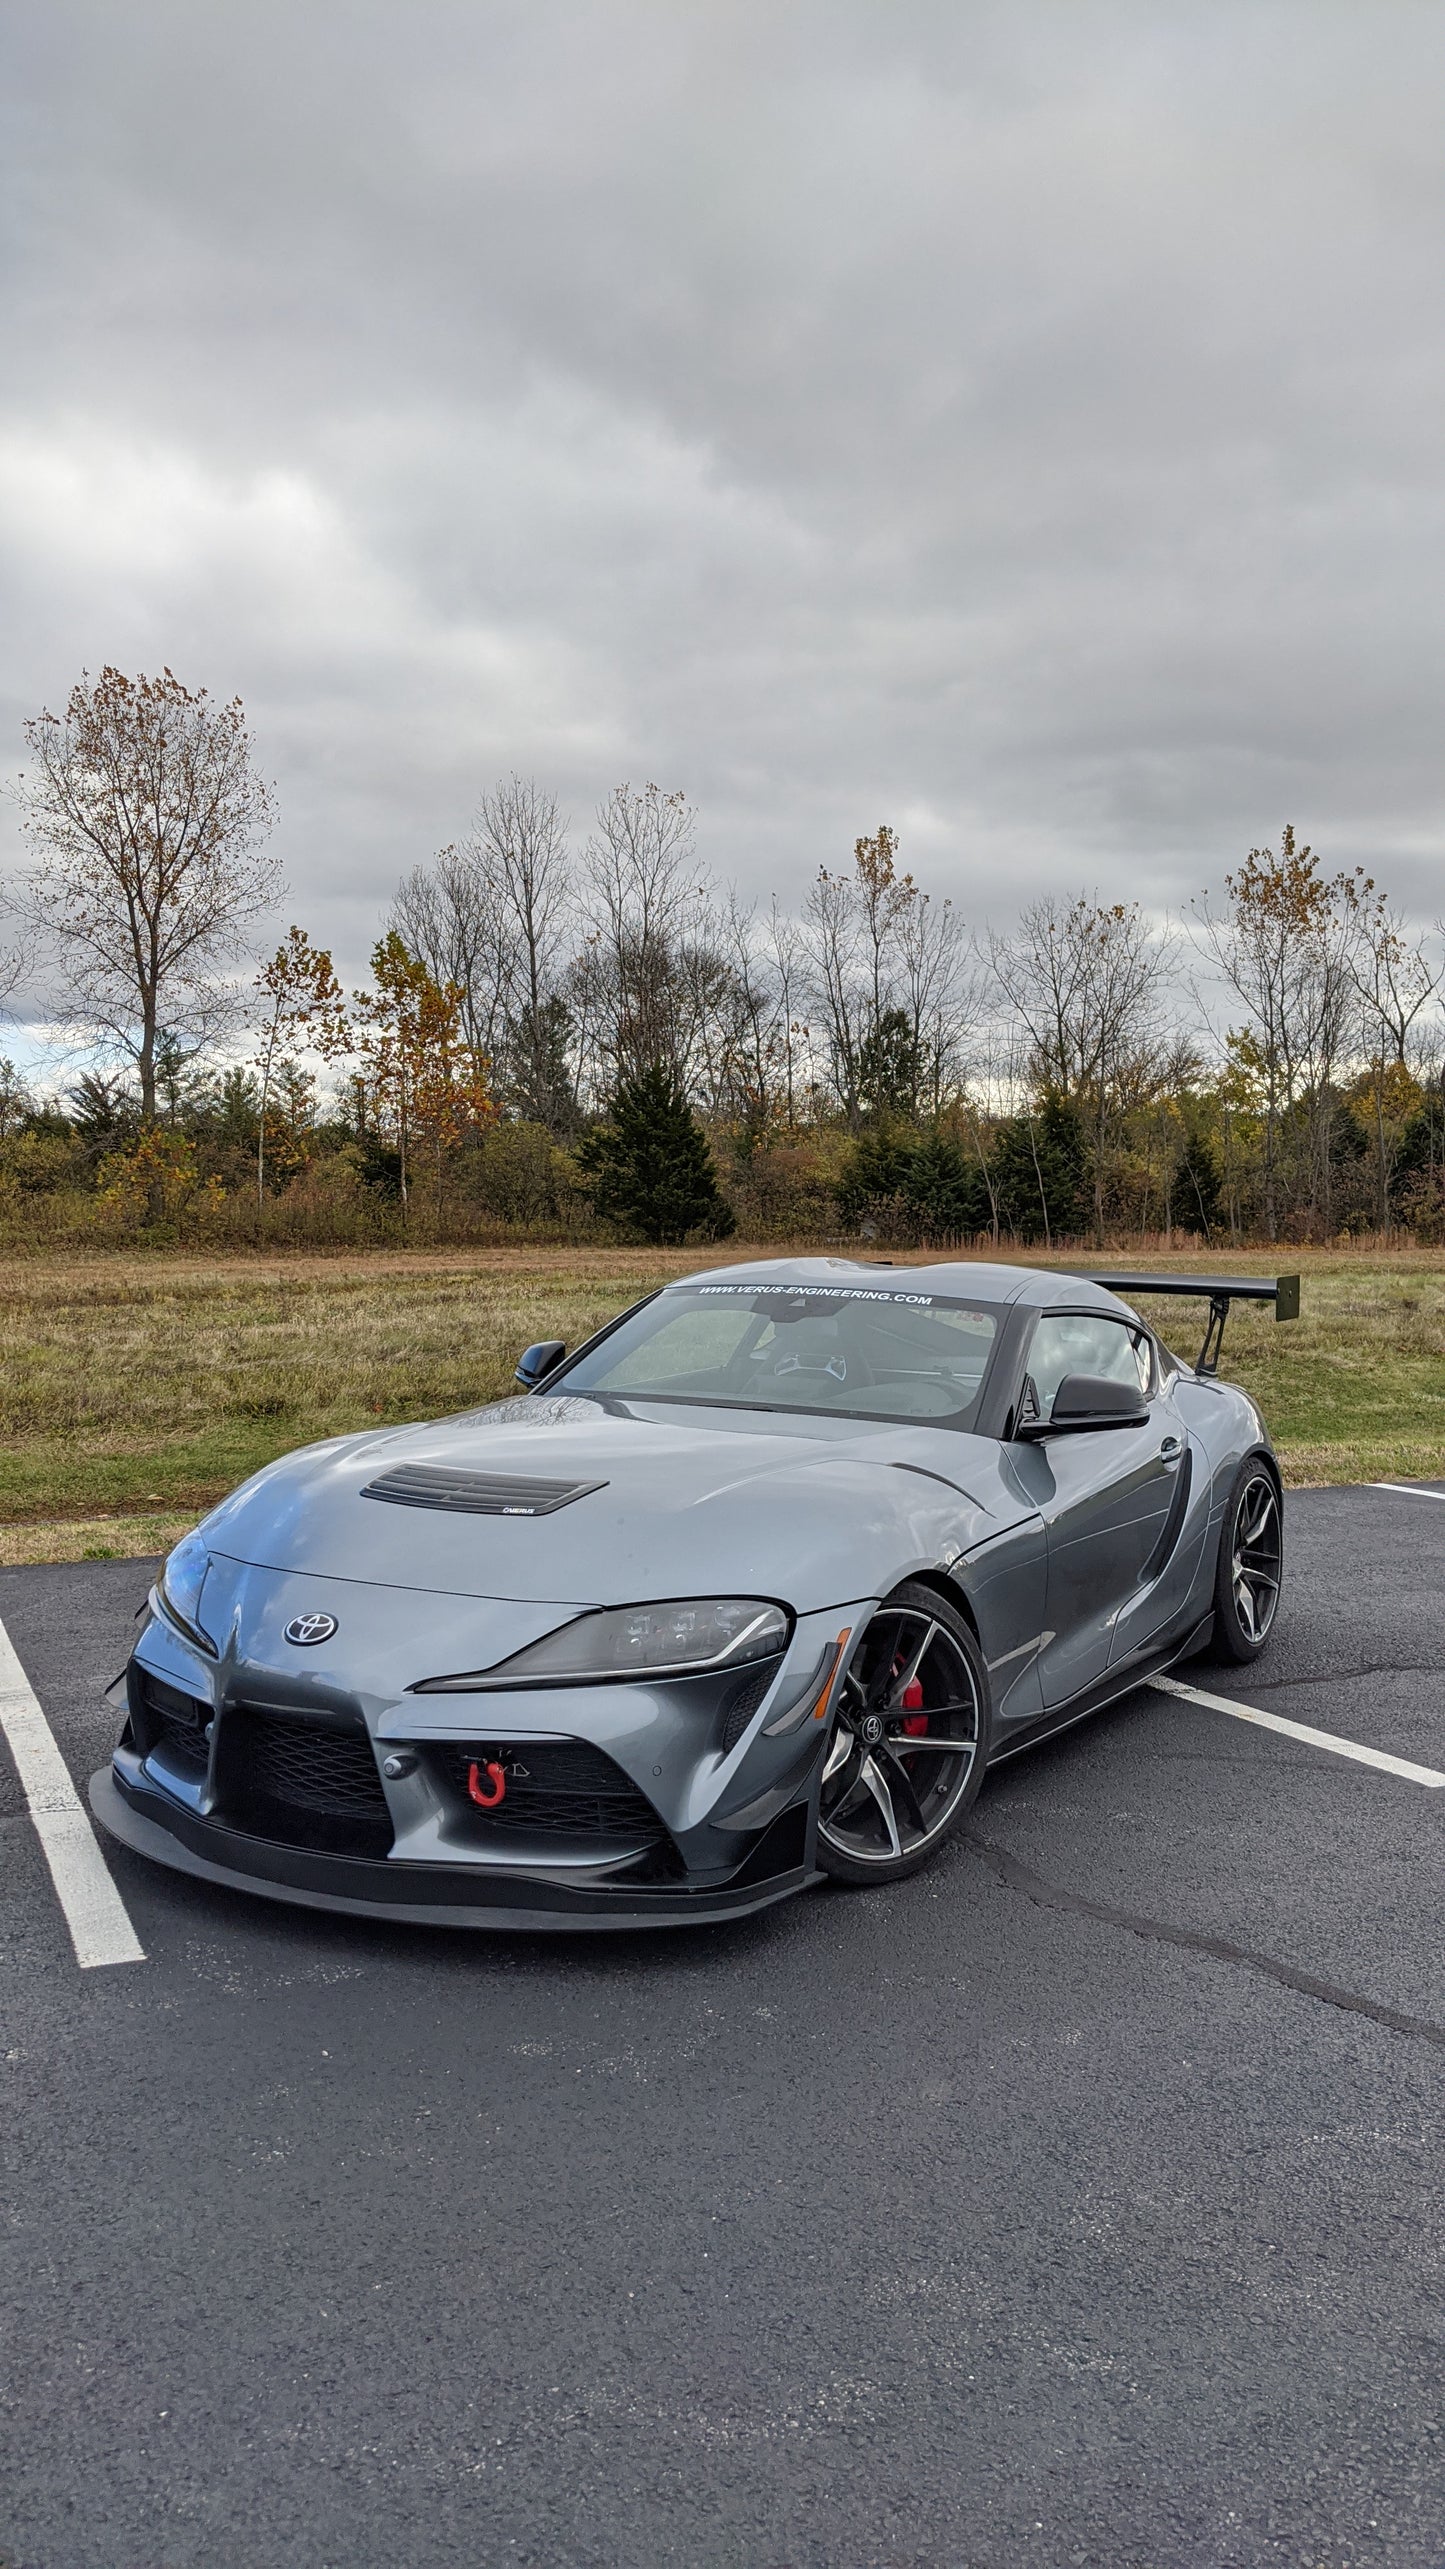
810	1510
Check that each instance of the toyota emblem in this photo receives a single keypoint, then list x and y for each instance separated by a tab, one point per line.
305	1629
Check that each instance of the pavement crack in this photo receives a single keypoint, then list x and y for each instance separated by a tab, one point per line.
1048	1895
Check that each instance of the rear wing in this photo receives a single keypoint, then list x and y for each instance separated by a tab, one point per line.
1220	1291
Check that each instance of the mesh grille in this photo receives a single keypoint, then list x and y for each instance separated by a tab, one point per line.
554	1788
175	1723
312	1783
744	1702
434	1485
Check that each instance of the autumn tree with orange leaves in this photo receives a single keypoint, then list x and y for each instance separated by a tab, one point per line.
423	1086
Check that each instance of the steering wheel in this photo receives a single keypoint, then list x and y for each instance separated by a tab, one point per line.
840	1372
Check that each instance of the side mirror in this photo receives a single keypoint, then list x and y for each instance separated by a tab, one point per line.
1088	1400
535	1362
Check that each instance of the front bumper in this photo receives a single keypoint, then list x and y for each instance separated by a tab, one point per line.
134	1811
642	1804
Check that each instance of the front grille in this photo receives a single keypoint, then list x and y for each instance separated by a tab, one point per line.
174	1723
555	1788
435	1485
308	1781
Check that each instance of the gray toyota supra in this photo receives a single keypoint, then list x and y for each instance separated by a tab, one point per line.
748	1591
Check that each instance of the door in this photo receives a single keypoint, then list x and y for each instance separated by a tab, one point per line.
1104	1493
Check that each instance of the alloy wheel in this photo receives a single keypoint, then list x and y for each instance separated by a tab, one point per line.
905	1740
1255	1556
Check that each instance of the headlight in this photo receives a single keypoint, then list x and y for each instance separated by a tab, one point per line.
681	1637
182	1580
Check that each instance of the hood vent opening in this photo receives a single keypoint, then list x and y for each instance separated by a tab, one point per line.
437	1485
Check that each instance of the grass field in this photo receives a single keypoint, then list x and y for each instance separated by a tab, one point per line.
135	1391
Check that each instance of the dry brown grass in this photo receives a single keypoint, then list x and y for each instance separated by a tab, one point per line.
136	1389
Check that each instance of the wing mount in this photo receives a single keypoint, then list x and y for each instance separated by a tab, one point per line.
1219	1291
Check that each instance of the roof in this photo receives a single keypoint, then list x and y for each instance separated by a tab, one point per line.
964	1278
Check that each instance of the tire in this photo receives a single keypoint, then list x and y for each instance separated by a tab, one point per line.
1250	1570
892	1795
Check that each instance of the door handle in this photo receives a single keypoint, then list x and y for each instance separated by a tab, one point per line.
1171	1448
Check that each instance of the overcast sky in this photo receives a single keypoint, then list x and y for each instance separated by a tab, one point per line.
1020	424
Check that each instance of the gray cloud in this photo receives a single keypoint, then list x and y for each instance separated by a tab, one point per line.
1022	425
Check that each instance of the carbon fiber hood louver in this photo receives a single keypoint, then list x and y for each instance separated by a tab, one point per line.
436	1485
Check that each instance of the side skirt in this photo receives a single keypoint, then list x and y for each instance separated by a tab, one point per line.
1108	1689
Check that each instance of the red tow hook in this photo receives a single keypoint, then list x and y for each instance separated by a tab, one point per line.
910	1701
496	1778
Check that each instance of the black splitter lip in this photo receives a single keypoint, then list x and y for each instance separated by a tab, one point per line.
148	1822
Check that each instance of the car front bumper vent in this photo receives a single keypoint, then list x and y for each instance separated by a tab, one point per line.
436	1485
174	1723
307	1782
554	1789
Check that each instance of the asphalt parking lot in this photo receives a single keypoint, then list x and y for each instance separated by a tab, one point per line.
1081	2201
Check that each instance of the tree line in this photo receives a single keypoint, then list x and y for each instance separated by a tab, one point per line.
582	1032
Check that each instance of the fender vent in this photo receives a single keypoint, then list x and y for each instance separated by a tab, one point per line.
1172	1526
434	1485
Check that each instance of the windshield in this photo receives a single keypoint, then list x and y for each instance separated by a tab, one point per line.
858	1351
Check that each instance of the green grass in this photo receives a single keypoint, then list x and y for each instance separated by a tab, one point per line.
1354	1390
141	1389
130	1388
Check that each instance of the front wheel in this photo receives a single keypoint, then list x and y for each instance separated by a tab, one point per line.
909	1743
1251	1565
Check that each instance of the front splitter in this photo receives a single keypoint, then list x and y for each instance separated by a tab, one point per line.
424	1895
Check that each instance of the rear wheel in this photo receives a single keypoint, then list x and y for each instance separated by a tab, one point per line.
909	1743
1251	1565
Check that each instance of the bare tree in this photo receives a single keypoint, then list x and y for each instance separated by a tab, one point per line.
147	818
1395	977
1393	972
761	1040
878	964
1086	979
643	902
496	917
937	993
883	899
450	915
785	957
732	1019
16	962
522	842
706	1005
831	929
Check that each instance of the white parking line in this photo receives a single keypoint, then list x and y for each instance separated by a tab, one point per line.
1300	1730
1407	1489
95	1913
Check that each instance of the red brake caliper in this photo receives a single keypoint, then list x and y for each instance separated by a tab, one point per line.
486	1800
911	1698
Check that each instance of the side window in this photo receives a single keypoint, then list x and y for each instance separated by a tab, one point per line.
1086	1342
